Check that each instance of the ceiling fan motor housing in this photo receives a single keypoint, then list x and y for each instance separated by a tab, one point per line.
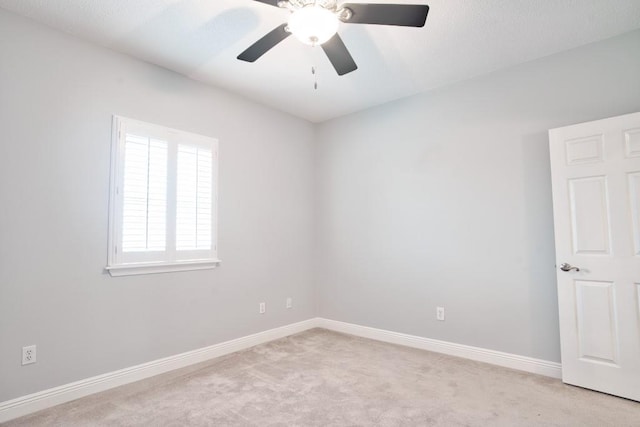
332	5
343	13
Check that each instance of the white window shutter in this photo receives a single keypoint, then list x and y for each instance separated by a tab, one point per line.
194	198
144	215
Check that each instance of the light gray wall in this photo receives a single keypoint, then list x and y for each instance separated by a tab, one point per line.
57	95
444	199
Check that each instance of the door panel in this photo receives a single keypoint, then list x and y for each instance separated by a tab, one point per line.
589	215
596	201
584	150
632	142
634	202
597	321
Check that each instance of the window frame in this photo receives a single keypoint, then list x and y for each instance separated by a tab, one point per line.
147	262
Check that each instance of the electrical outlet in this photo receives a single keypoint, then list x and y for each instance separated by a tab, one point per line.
440	313
263	307
28	355
289	302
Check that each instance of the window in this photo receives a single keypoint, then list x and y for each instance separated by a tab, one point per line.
163	200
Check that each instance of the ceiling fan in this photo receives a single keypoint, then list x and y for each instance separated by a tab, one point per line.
315	22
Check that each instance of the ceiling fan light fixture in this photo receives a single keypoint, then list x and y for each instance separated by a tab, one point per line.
313	25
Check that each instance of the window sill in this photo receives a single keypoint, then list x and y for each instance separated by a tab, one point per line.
153	268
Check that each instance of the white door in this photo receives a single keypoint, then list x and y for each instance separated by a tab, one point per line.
595	171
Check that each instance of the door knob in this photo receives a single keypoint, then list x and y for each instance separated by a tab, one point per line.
568	267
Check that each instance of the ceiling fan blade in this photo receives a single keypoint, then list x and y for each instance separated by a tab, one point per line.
271	2
405	15
339	55
263	45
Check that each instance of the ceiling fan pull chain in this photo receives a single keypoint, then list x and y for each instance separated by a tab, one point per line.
315	80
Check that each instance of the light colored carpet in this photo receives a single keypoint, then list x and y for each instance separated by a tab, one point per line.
322	378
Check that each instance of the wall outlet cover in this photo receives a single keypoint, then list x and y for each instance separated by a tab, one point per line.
29	355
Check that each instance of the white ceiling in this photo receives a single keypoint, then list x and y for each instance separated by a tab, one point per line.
461	39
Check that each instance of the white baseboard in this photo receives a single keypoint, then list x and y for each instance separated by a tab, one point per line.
24	405
508	360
